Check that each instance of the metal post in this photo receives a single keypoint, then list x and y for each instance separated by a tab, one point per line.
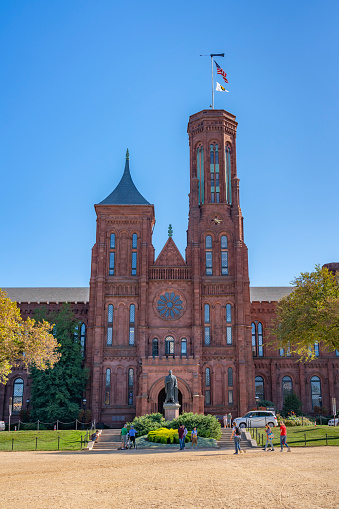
9	414
326	438
212	83
38	424
36	443
57	425
12	444
76	424
305	439
58	442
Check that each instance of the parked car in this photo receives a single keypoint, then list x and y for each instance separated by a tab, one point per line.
332	423
2	426
257	419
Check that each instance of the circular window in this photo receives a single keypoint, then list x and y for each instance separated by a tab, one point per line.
170	305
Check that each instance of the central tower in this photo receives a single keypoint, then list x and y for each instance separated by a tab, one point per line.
218	256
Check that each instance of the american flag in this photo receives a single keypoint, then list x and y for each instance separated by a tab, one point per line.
220	71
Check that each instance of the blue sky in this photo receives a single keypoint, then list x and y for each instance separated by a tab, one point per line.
81	81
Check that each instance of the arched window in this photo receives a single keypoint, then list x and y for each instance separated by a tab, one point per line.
130	386
134	254
207	326
112	255
214	173
155	347
224	255
184	347
259	388
208	255
109	341
315	391
131	337
230	385
257	339
207	386
200	174
18	394
83	339
228	175
287	386
228	322
108	387
169	345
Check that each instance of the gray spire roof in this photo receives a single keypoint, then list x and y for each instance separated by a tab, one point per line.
125	193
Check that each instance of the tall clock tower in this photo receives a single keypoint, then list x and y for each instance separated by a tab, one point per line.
218	256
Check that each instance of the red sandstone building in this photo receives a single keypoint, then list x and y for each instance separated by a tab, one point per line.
197	316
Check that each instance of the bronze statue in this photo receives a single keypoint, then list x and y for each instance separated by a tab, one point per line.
171	388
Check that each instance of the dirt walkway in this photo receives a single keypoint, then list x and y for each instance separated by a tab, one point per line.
304	478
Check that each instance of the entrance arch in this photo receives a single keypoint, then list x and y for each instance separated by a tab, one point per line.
161	401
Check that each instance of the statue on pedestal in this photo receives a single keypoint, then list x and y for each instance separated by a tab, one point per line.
171	388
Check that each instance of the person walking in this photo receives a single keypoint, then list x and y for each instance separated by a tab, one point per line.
194	438
229	420
132	433
181	431
225	420
236	433
185	433
283	437
269	437
124	437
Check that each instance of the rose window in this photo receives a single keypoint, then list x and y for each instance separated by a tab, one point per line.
169	305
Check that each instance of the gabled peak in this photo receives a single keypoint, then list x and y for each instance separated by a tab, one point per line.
170	255
125	193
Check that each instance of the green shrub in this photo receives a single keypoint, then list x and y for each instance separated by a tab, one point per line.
163	436
293	420
208	426
146	423
292	404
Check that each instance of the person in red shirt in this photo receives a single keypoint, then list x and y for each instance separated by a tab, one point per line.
283	437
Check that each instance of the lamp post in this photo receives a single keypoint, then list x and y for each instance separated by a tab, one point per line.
257	401
320	405
27	404
84	401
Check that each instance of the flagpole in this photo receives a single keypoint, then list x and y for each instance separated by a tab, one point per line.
212	83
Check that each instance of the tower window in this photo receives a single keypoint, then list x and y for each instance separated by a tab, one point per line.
228	175
207	326
169	345
229	340
208	254
112	255
200	171
108	387
130	386
316	391
83	339
155	347
257	339
110	325
18	394
183	347
214	173
134	254
224	255
259	388
207	386
286	386
131	338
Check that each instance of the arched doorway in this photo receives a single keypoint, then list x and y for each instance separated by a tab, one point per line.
161	401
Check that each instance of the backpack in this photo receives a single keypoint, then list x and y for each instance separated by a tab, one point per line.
238	431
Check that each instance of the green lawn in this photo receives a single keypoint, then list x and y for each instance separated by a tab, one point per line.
315	435
69	440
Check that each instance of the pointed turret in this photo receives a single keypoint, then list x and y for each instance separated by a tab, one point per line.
125	193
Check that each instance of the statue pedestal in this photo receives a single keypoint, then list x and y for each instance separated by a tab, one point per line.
171	411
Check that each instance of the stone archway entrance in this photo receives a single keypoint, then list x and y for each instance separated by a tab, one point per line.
161	401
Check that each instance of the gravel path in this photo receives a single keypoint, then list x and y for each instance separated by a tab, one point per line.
304	478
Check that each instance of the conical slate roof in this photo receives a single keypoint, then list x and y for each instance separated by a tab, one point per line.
125	193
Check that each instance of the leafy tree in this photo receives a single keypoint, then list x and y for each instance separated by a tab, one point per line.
266	403
292	404
310	314
57	392
23	342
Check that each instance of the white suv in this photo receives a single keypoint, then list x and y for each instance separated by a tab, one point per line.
257	419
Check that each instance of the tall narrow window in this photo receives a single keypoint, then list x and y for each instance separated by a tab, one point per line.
229	322
169	345
228	175
207	326
315	391
131	338
184	347
257	340
287	386
134	254
214	174
108	387
155	347
224	255
316	349
130	386
230	377
207	386
208	251
83	339
200	174
110	325
112	255
259	388
18	394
